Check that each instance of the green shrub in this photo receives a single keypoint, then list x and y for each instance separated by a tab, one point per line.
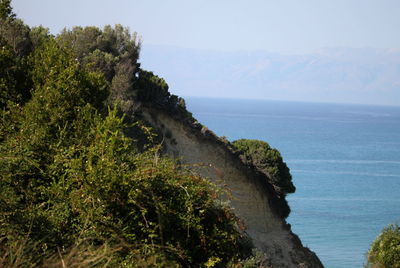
385	250
98	189
74	189
268	160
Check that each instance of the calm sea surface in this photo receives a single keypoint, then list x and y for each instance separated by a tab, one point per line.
345	163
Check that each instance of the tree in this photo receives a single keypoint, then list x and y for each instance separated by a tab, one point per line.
111	51
15	46
6	10
13	30
39	35
103	49
15	82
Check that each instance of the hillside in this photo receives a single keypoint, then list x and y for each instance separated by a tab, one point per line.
254	198
101	166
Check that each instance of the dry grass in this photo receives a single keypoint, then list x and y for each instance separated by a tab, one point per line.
23	254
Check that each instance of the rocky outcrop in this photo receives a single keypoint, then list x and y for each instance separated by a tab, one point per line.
253	198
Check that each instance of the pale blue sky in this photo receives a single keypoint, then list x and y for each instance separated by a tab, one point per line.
285	26
355	70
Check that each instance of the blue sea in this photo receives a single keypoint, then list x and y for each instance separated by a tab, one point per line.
345	163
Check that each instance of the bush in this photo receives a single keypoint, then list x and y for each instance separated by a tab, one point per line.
75	189
96	188
385	250
267	160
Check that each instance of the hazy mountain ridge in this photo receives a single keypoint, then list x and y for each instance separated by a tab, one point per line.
332	75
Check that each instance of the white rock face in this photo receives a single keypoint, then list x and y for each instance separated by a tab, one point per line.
250	201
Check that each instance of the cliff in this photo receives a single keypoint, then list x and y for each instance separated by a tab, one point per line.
76	189
253	199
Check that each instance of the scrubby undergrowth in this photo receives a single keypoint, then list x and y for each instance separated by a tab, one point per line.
385	250
75	190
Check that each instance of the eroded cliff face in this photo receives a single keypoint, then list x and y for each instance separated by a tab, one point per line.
253	198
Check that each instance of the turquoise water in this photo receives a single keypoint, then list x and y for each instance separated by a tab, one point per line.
345	163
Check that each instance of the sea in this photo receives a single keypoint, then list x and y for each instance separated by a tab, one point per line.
344	160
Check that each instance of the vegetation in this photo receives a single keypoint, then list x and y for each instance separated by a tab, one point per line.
385	250
115	52
268	160
74	189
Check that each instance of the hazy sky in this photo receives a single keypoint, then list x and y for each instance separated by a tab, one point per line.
286	26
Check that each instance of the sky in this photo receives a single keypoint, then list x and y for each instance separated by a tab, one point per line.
350	49
284	26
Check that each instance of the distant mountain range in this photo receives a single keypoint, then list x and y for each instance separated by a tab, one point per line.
367	76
